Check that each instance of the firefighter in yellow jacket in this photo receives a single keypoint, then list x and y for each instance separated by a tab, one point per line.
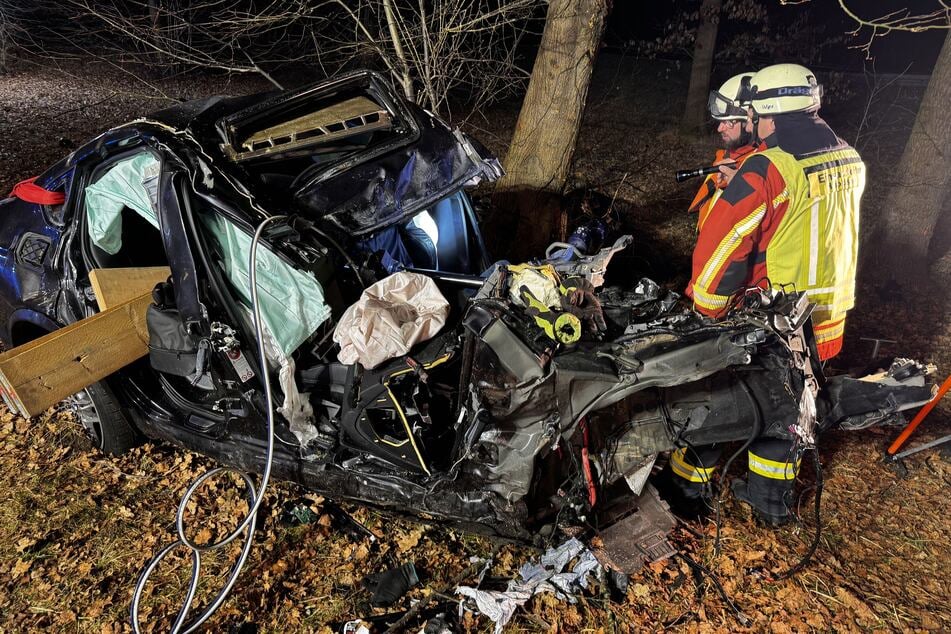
789	216
791	213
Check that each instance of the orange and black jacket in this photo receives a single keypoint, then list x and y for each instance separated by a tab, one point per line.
789	216
711	187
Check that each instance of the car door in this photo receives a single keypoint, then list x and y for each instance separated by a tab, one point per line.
208	327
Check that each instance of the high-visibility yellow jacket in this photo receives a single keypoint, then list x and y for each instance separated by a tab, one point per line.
791	220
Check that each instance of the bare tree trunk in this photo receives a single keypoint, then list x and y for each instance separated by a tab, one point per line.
6	42
543	145
405	79
704	47
922	182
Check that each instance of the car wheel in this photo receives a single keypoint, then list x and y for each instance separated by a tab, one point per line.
102	419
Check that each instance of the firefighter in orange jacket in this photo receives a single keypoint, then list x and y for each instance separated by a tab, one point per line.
789	216
689	470
731	117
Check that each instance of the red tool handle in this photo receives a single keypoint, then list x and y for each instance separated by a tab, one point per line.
920	416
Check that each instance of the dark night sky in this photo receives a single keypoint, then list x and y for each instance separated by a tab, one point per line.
892	53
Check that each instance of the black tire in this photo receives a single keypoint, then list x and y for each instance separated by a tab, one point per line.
103	421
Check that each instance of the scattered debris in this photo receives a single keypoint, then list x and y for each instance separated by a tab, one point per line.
639	537
356	626
389	586
545	576
43	572
298	513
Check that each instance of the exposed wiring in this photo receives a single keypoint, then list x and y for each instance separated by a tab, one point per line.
707	486
343	252
744	620
254	496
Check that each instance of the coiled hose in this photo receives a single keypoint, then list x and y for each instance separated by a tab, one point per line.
179	625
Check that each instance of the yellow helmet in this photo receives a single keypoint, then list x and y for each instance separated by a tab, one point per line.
784	88
724	104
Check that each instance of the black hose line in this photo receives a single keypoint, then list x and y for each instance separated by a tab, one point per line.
743	619
801	565
754	434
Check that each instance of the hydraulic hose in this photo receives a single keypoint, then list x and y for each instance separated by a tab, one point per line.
754	434
804	561
247	525
743	619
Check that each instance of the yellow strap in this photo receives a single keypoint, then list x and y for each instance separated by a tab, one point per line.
773	469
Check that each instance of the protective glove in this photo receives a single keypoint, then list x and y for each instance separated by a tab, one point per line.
578	298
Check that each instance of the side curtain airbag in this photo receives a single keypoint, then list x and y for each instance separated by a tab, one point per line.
292	302
132	183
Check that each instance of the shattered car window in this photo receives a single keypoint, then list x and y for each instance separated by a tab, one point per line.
439	238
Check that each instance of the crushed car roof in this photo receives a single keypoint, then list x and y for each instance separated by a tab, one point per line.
369	157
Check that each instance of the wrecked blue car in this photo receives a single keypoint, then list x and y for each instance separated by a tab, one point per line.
543	397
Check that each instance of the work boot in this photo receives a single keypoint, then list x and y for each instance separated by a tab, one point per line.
773	466
741	492
684	506
685	481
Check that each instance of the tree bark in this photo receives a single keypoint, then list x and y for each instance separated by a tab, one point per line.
5	37
543	145
695	114
922	182
405	79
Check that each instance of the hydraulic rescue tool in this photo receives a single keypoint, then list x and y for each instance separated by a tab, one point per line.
892	455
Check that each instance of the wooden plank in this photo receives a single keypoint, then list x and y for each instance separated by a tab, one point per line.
114	286
37	375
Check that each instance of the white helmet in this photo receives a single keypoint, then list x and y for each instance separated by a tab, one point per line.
725	104
784	88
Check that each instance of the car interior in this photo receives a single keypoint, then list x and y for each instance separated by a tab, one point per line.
119	229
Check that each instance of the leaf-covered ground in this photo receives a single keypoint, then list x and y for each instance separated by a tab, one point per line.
76	527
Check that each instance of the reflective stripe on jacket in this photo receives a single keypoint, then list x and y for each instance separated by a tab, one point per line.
829	336
791	220
711	188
